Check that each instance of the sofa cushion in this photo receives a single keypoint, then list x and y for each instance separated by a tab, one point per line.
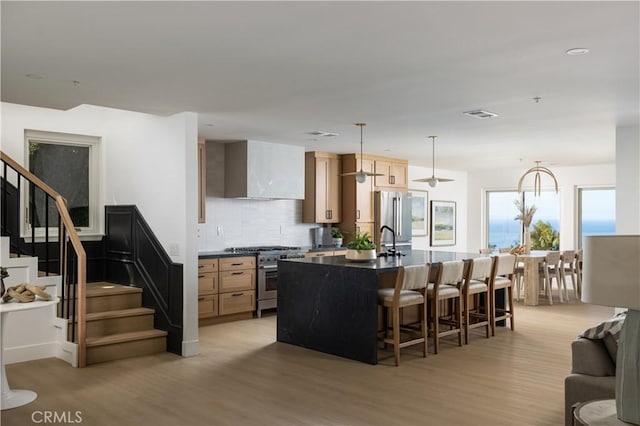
591	357
611	343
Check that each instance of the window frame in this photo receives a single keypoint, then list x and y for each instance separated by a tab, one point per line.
68	139
578	210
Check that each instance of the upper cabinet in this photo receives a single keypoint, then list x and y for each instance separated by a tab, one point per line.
357	198
322	195
394	174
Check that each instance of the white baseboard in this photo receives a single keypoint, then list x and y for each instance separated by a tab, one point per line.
30	352
190	348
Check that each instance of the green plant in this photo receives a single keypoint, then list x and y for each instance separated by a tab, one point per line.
361	241
544	237
336	233
3	272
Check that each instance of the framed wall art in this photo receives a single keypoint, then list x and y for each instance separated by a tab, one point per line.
443	223
419	213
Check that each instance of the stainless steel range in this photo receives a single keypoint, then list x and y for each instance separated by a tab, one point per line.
267	274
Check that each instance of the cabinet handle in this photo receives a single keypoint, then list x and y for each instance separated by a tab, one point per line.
330	214
392	180
237	264
237	273
320	254
358	214
237	294
200	266
201	276
201	298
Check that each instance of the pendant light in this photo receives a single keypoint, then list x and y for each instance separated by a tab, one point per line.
361	175
536	181
433	180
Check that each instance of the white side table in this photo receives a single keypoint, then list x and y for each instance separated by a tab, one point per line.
16	398
599	412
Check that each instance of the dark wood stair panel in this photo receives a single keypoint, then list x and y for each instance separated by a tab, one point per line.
125	345
120	321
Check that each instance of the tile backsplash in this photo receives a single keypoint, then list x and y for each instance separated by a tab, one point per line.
237	222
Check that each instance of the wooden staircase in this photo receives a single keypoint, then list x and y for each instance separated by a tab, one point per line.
117	326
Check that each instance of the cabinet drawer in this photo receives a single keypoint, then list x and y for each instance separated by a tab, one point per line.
235	263
207	282
237	280
207	265
208	306
319	253
233	303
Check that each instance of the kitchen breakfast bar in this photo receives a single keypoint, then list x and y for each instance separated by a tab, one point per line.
330	304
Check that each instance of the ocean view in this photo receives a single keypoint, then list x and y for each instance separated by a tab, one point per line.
506	232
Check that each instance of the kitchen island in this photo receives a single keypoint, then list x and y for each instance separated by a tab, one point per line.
330	304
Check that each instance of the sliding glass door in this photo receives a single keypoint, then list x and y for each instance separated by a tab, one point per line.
596	212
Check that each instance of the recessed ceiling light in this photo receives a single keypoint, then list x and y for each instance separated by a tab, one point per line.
577	51
479	113
34	76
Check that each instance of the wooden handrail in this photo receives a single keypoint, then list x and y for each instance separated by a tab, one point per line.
66	228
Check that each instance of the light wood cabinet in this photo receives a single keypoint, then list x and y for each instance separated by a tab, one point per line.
394	174
320	253
226	286
357	198
202	180
322	195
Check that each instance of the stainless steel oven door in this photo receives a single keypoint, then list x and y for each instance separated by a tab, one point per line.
268	282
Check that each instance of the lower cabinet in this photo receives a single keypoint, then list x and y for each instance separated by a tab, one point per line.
226	286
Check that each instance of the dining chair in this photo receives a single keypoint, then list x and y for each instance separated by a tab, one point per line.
477	280
568	268
505	249
550	269
408	290
485	251
504	269
447	286
578	268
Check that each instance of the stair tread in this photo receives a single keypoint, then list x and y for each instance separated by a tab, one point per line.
125	337
94	316
97	289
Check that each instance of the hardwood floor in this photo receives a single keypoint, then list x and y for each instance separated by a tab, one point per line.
243	377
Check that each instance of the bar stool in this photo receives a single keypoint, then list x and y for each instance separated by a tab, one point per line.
504	267
477	281
408	291
446	286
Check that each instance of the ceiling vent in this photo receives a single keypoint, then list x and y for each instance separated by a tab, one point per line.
481	114
323	134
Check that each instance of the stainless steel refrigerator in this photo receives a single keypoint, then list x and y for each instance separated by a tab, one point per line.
393	209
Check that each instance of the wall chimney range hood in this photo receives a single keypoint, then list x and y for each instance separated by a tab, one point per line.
263	170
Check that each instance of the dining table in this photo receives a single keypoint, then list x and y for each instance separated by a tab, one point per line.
531	276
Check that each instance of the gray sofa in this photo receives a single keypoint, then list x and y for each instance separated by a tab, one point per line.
592	372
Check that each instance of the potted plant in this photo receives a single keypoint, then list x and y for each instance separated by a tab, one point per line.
336	237
361	248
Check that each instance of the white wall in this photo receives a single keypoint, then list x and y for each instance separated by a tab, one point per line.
569	179
146	160
628	175
444	191
246	222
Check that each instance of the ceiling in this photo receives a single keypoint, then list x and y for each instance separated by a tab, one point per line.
275	71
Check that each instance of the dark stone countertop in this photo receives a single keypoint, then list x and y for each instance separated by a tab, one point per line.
411	257
222	253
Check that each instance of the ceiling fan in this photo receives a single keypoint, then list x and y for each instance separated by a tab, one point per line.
361	175
433	180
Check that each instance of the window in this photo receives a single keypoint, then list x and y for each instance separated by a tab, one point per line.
69	164
504	231
596	212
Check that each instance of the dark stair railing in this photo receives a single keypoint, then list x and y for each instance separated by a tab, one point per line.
72	259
